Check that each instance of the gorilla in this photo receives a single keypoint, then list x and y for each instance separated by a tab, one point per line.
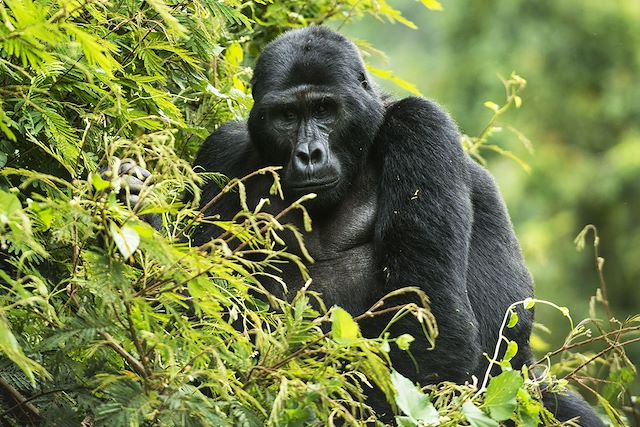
399	203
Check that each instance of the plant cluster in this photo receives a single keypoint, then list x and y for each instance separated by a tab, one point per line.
105	320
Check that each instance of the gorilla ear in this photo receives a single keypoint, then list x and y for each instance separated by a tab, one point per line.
362	78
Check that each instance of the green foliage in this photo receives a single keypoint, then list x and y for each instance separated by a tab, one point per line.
105	320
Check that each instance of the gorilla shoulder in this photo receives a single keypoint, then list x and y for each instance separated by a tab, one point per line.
228	151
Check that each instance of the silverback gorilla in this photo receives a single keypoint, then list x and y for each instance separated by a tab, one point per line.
399	203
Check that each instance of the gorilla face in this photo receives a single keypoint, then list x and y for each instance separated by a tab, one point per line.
315	113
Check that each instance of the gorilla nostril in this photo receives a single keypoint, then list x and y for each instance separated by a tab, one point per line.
317	156
303	157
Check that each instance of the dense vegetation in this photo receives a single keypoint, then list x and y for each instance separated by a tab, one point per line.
107	321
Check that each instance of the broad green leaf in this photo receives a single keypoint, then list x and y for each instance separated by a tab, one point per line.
413	402
406	422
476	417
500	397
344	329
9	204
126	238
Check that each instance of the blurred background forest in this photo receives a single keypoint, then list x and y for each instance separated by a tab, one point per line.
581	111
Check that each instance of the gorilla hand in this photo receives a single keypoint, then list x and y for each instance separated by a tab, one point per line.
129	181
128	176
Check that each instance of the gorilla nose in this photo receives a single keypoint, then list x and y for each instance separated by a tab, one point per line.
306	157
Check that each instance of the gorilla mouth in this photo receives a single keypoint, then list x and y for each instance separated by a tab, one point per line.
314	186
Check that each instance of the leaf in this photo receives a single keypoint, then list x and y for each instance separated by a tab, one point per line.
98	183
513	320
613	415
9	204
234	55
10	348
476	417
344	329
388	75
517	101
166	13
404	341
491	105
5	122
529	303
413	402
432	4
528	408
126	238
500	397
394	15
406	422
512	350
96	50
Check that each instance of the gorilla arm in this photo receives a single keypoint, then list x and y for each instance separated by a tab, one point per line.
423	232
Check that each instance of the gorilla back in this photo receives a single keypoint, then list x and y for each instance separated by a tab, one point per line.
399	203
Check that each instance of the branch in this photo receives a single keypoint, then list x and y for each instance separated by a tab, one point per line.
23	402
135	363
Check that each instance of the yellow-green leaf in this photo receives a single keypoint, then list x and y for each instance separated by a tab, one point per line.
512	350
513	319
518	101
432	4
166	13
491	105
344	329
234	55
388	75
404	341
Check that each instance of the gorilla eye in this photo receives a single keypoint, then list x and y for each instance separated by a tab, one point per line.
288	114
323	110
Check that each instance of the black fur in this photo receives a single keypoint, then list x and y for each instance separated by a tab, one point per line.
399	204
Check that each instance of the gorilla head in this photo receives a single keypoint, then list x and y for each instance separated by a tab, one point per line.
315	112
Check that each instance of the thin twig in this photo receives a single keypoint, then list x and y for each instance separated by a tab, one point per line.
588	341
599	354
